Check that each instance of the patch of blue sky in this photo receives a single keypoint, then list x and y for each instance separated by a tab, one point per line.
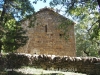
40	4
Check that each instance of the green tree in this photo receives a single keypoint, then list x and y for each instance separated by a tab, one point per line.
84	45
13	38
11	33
86	14
79	9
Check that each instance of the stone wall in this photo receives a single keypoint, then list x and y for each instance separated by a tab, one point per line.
45	37
88	65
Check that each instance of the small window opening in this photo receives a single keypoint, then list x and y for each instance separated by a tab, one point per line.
60	35
45	28
38	41
51	34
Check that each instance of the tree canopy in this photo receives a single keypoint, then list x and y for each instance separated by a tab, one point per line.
11	33
87	16
79	9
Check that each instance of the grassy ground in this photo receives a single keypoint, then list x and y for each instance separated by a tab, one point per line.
34	71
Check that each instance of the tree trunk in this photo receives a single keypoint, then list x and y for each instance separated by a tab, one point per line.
1	21
0	46
87	53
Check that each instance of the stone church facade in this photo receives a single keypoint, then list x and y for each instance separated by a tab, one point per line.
45	36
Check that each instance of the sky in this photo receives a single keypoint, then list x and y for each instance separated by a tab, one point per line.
40	4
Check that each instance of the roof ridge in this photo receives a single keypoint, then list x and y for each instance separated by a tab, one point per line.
48	8
45	8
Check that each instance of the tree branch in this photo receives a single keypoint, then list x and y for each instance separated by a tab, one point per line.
92	26
98	2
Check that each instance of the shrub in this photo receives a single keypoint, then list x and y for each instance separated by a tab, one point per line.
16	60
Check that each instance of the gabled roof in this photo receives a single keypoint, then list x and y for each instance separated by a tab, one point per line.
45	9
52	10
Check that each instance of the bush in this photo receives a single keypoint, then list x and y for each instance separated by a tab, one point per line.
2	63
16	60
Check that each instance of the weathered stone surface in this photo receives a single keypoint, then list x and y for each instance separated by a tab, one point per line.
44	37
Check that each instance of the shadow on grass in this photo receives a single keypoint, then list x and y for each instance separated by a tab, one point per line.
19	73
13	73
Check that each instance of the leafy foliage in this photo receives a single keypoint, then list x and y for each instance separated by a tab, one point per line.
18	8
79	9
86	14
85	37
35	1
16	61
12	35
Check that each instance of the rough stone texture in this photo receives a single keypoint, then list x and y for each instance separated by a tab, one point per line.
88	65
44	37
